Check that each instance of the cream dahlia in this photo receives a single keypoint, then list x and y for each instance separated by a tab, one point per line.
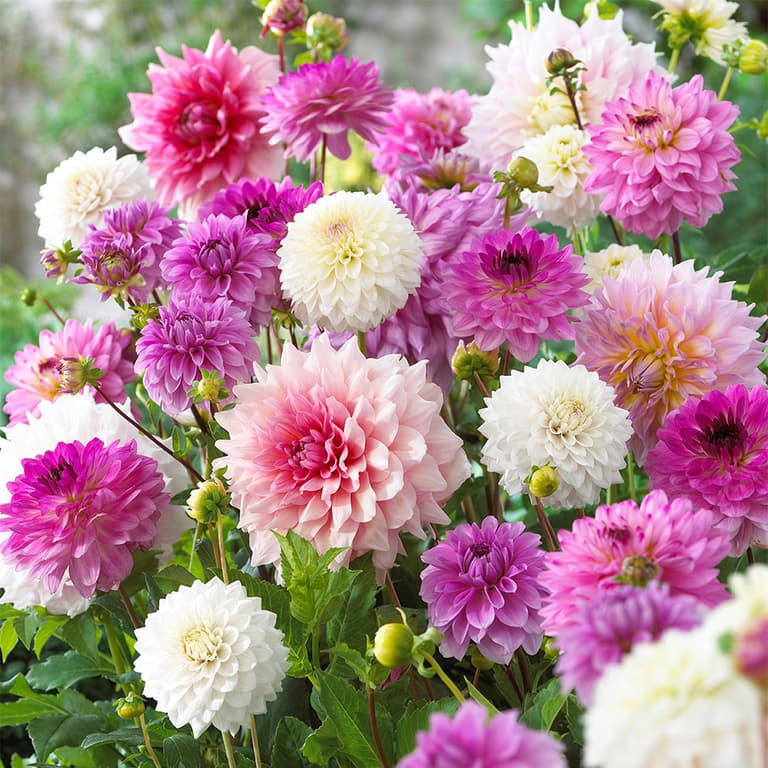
609	262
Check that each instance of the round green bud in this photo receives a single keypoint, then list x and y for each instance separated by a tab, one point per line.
392	645
130	706
754	58
544	482
205	502
549	648
326	31
559	60
524	172
469	360
28	296
478	660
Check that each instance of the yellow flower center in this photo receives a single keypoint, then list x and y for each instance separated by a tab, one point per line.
567	417
201	643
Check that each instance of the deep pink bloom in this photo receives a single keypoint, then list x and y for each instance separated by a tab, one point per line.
668	541
326	100
81	510
473	739
663	155
35	376
515	287
200	126
608	626
715	452
192	335
481	585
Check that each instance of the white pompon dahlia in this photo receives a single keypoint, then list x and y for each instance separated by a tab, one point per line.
349	261
210	655
559	416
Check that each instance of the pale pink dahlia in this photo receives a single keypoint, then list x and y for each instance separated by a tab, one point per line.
715	452
35	373
659	334
200	126
481	585
325	101
190	336
663	155
515	287
669	541
344	450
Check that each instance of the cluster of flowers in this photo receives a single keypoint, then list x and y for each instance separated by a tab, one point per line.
380	318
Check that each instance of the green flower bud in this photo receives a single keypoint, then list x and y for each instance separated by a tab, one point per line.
638	570
207	501
560	60
467	361
28	297
326	33
478	660
543	482
76	373
130	706
209	389
142	314
754	58
392	645
524	172
549	648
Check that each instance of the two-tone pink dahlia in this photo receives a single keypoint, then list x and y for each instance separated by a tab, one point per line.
36	376
481	585
661	333
715	452
663	155
668	541
346	451
515	287
324	101
200	126
189	336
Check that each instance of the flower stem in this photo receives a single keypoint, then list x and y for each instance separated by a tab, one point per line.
281	52
393	597
52	310
673	59
550	537
147	742
677	252
375	729
523	664
750	556
115	649
227	739
616	233
323	154
507	212
135	620
481	385
631	476
726	83
511	677
361	341
255	743
222	550
199	420
529	23
449	684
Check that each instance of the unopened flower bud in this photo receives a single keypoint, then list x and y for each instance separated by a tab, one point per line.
207	501
549	648
560	60
478	660
210	388
638	570
28	297
392	645
524	171
130	706
326	33
281	16
76	373
544	482
470	360
56	261
754	58
142	314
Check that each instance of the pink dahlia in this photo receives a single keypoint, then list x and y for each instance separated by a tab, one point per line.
345	450
715	452
324	101
669	541
200	126
659	334
481	585
472	738
663	155
421	124
81	510
515	287
609	625
35	373
190	336
751	653
223	258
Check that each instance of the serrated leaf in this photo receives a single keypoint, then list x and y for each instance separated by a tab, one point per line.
356	619
80	634
46	631
545	707
23	711
322	744
415	720
342	655
8	637
18	686
66	670
130	737
290	737
49	733
26	626
181	750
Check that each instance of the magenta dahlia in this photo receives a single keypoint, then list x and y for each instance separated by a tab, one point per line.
325	101
669	541
515	287
200	126
663	155
81	510
715	452
481	585
190	336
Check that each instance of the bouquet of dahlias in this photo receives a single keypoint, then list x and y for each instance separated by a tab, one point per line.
466	469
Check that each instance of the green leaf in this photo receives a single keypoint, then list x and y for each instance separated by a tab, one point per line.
23	711
546	706
44	634
480	699
415	720
80	634
26	625
181	751
356	619
49	733
344	656
18	686
66	670
758	286
130	737
290	737
8	638
322	744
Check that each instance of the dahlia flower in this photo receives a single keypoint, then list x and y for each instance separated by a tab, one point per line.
349	260
481	585
660	334
515	287
442	170
609	625
609	262
324	101
663	155
668	541
35	373
211	655
345	450
677	702
715	452
470	737
81	188
558	416
189	336
200	126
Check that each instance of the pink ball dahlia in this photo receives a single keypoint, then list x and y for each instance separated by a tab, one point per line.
659	334
81	510
189	336
471	738
714	451
481	585
669	541
515	287
325	101
344	450
200	126
35	374
663	155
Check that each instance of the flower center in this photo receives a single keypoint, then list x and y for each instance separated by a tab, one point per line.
515	266
638	570
647	373
197	122
649	129
480	550
202	644
215	257
567	417
724	439
344	241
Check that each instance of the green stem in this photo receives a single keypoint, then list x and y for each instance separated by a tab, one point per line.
227	739
673	59
316	650
147	742
195	537
677	253
726	83
323	154
481	385
550	537
222	550
449	684
52	310
383	762
115	648
255	743
361	341
135	620
631	477
507	212
529	24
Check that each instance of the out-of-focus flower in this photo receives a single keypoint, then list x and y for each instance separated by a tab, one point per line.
281	16
609	262
326	34
753	58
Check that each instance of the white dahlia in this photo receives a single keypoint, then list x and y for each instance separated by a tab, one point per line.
78	191
677	703
210	655
747	607
559	416
609	262
349	261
